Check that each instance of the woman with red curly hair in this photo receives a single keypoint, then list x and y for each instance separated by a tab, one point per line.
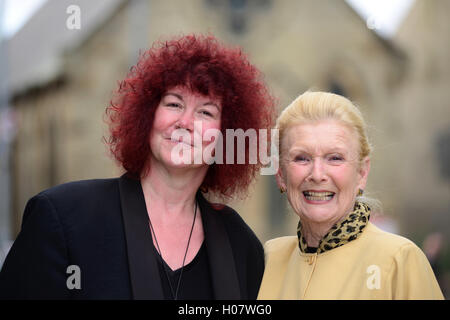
151	234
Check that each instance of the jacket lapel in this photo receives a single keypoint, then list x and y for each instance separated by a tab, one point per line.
143	266
220	254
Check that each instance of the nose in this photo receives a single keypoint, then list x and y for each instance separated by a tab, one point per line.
185	121
318	171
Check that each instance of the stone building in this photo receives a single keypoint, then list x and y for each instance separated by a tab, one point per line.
299	45
421	120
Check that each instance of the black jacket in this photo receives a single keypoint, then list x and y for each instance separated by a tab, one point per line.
102	227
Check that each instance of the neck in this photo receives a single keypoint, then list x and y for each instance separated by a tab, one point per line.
172	191
313	232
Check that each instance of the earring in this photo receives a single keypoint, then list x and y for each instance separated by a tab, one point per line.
282	190
360	192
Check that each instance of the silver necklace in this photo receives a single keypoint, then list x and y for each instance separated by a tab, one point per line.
174	294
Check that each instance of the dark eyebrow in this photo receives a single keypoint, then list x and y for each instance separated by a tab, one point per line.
212	104
174	94
181	98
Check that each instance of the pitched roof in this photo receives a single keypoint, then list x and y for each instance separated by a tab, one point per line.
33	55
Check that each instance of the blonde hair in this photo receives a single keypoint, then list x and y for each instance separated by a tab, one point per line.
316	106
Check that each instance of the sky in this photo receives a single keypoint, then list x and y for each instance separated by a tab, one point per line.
16	13
382	16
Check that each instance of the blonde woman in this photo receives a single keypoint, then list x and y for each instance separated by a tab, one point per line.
337	253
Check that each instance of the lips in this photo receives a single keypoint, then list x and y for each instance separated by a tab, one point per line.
318	195
179	141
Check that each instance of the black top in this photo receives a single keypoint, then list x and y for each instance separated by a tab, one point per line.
101	227
195	281
310	250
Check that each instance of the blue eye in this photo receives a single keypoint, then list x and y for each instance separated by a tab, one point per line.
301	159
336	158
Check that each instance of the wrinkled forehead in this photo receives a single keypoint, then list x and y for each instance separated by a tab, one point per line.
318	137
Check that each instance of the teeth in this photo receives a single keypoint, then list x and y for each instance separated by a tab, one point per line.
318	196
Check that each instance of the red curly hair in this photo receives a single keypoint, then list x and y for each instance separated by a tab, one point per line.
204	65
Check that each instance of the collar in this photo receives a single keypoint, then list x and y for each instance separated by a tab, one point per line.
342	232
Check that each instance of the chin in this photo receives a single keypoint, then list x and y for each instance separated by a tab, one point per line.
319	215
191	165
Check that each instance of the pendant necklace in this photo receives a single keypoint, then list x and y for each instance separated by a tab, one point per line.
174	293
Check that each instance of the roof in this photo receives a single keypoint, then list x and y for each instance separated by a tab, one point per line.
33	55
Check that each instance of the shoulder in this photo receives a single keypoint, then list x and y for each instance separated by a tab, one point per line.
234	223
281	243
240	234
81	194
81	188
394	248
230	216
282	246
76	201
389	242
407	267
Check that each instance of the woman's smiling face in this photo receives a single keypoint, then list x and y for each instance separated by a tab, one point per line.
321	171
180	110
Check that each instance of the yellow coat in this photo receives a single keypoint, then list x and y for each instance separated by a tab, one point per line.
377	265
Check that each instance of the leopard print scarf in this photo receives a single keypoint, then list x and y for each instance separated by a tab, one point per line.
342	232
